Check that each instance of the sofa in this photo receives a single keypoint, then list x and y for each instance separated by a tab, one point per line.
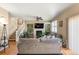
43	45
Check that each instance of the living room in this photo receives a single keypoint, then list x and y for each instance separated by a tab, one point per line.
37	28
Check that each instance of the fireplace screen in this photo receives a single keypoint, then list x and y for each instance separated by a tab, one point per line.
38	34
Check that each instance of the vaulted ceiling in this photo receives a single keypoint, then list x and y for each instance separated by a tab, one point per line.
44	10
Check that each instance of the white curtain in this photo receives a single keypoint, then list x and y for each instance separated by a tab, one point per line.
74	34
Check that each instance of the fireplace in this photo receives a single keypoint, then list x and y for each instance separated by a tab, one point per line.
38	33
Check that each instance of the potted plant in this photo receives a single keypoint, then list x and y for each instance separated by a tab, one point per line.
23	35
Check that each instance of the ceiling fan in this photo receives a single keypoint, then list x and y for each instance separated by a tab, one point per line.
38	18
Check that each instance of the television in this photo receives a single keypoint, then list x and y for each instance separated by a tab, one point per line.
39	25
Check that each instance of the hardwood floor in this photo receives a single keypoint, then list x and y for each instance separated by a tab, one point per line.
12	50
66	51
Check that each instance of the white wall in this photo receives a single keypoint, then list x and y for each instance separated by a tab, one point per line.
74	34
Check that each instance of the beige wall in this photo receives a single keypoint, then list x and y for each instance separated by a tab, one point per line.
72	11
5	14
11	22
13	25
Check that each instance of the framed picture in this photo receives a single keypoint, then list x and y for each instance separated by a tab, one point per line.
60	23
20	21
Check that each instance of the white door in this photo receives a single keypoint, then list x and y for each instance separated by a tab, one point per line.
73	34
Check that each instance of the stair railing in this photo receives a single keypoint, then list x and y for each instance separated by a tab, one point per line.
19	31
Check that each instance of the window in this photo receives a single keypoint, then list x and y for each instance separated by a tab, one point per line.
54	26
